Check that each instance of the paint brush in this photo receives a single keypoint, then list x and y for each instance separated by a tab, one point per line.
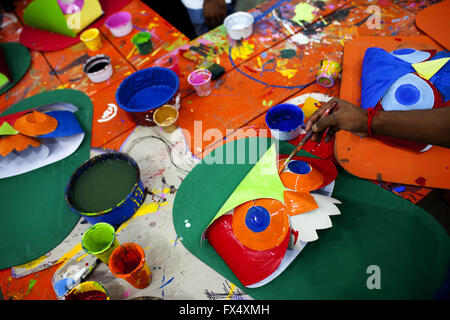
306	138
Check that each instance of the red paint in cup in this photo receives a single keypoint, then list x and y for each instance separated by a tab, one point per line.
128	262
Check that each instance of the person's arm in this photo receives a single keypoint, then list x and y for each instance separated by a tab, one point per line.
431	126
214	12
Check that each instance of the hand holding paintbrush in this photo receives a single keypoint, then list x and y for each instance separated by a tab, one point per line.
325	111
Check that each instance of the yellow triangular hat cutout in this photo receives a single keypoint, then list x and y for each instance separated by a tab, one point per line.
263	181
427	69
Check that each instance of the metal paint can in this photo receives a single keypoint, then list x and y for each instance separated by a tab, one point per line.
123	209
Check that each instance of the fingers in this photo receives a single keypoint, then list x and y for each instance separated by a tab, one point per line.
317	114
324	123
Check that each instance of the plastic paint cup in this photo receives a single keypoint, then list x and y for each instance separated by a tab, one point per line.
169	61
89	290
128	262
143	42
284	121
91	39
328	73
119	24
98	68
200	79
166	117
100	240
239	25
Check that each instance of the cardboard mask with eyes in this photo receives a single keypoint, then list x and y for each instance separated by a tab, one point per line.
269	218
405	79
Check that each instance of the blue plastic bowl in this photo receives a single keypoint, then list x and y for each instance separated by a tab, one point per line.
141	93
284	121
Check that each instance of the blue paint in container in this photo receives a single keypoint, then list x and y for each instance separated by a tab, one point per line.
285	121
141	93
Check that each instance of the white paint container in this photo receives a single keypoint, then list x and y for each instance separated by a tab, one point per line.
239	25
98	68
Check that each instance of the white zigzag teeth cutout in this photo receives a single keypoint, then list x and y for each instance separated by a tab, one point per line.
307	223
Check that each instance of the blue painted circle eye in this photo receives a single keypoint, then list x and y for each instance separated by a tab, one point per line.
299	167
257	219
403	51
407	94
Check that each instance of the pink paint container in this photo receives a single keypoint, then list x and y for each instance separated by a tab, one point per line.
169	61
119	24
200	79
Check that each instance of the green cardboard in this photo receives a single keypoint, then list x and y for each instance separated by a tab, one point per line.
47	15
34	215
18	59
375	228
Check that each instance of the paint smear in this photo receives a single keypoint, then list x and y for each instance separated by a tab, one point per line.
143	210
421	181
31	284
304	12
242	51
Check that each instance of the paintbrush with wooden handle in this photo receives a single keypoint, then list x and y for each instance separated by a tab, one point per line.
306	138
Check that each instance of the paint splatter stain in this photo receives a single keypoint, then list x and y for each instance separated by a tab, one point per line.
288	53
421	181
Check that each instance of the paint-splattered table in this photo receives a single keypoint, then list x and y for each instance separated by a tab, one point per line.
278	63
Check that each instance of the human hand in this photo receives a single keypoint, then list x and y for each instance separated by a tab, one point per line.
345	116
214	12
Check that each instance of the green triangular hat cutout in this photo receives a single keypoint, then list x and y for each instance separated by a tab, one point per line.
7	130
427	69
263	181
47	15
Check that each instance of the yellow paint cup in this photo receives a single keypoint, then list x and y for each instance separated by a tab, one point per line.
91	39
166	117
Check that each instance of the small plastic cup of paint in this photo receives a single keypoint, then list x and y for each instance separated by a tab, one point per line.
89	290
143	42
128	262
119	24
166	117
91	39
169	61
285	121
200	79
328	73
98	68
100	240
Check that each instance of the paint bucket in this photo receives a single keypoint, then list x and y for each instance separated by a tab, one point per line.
128	262
200	79
328	73
143	42
239	25
98	68
169	61
166	118
106	188
100	240
119	24
142	92
91	39
285	121
89	290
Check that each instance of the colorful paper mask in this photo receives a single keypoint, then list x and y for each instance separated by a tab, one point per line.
63	16
405	79
259	231
30	140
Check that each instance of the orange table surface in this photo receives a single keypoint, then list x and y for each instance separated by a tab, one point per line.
267	62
